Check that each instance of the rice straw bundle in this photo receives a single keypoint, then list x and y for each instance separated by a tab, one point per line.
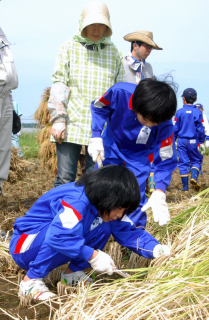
176	287
4	249
5	257
42	113
47	150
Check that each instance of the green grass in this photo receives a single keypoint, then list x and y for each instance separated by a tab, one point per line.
29	145
206	151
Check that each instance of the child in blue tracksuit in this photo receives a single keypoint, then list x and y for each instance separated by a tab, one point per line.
138	130
189	129
73	222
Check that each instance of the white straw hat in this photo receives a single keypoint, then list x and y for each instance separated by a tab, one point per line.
143	36
96	12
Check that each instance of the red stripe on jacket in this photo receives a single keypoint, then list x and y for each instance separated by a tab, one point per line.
78	215
103	100
167	142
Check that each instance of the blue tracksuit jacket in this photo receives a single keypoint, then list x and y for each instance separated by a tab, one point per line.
189	124
127	141
189	129
64	226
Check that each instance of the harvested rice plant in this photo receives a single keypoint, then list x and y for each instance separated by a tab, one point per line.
47	150
175	287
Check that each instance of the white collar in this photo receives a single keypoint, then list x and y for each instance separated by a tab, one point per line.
132	63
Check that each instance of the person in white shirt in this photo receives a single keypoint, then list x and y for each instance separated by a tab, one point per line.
135	65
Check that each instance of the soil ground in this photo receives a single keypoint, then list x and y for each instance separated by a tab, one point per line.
19	197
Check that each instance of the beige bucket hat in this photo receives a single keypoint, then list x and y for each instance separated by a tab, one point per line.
143	36
96	12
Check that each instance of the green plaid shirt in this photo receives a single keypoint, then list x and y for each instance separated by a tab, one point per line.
80	76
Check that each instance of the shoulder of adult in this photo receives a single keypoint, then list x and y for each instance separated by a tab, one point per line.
148	66
113	46
125	61
69	44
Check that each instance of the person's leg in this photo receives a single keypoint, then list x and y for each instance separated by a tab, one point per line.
195	156
16	144
32	254
67	161
184	162
196	161
89	163
6	118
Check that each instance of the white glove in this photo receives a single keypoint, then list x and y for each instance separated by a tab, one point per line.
207	143
102	263
58	131
159	207
202	148
160	249
95	147
176	144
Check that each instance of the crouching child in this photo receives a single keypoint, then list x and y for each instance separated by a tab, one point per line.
73	222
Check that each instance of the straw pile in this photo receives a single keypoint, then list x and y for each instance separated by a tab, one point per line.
47	150
17	167
170	288
7	265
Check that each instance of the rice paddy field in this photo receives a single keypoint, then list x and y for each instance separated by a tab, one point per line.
175	287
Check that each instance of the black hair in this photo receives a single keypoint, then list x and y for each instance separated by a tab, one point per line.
191	99
111	187
137	42
155	100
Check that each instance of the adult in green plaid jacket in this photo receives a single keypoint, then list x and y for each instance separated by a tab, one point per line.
85	68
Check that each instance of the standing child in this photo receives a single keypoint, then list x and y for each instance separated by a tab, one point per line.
73	222
189	129
138	129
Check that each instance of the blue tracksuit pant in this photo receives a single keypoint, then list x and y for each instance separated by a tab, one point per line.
188	153
40	259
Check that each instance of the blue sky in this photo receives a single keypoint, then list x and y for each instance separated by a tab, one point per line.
37	29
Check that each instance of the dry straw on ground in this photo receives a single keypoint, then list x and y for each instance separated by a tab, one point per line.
17	167
170	288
